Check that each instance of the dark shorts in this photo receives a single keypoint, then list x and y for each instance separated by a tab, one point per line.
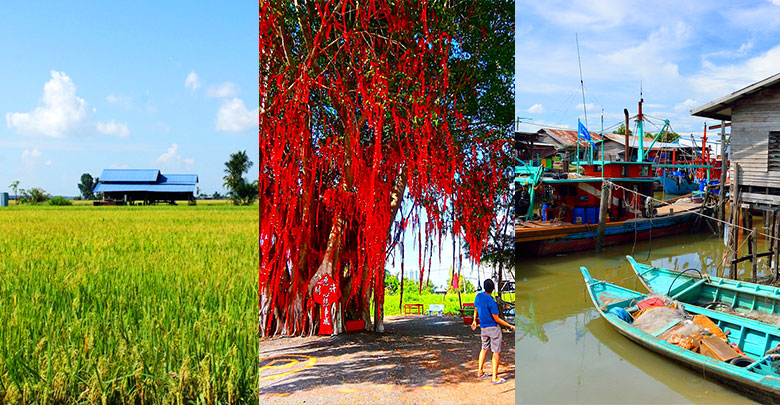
491	338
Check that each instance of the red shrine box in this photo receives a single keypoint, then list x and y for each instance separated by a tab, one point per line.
355	325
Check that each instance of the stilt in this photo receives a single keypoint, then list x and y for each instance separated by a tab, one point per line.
776	245
605	186
754	261
722	193
735	208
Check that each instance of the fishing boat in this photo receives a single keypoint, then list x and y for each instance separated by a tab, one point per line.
569	215
756	301
570	202
690	171
751	372
676	183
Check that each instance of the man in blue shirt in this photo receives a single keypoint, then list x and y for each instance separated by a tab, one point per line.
490	332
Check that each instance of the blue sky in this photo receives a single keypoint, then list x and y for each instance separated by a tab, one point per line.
168	85
685	54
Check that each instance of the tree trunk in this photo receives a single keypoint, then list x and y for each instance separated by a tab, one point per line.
396	198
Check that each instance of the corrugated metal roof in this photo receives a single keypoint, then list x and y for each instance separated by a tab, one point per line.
129	176
178	179
568	137
156	188
721	108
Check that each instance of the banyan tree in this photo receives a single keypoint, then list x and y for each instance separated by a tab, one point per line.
371	114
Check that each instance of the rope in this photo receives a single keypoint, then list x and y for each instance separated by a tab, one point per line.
730	250
697	213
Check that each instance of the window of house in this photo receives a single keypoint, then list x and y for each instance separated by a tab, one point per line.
773	154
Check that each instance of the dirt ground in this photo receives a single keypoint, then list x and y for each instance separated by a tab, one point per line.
418	360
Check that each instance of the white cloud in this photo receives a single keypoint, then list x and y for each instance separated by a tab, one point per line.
172	155
162	127
114	128
59	111
717	81
48	163
31	154
192	81
233	116
125	102
659	47
536	109
224	90
597	15
172	158
685	106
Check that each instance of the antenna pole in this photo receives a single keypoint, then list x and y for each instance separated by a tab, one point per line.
582	83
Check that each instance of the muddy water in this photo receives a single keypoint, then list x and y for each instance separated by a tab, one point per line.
566	353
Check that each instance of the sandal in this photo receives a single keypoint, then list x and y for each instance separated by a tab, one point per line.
500	381
483	376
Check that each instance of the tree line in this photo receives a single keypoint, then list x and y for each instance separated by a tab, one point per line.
240	191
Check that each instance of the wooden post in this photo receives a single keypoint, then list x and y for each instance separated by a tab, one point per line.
776	244
753	260
735	208
605	186
722	193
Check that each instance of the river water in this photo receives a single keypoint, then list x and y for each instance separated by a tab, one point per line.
566	353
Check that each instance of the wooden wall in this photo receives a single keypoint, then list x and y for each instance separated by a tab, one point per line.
753	117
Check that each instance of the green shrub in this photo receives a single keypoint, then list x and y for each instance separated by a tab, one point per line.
60	200
33	196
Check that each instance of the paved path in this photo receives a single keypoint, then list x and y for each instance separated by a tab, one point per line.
419	359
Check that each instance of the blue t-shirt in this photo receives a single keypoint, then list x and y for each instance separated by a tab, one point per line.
486	306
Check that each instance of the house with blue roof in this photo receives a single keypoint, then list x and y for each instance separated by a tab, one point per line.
147	185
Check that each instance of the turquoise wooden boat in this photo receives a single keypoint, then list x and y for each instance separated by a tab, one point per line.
758	379
759	302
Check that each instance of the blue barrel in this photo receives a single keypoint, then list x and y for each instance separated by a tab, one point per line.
579	213
544	212
592	215
3	199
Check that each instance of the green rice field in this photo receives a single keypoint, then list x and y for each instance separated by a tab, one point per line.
152	304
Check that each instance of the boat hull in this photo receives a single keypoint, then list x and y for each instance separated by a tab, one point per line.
757	392
583	237
763	387
671	186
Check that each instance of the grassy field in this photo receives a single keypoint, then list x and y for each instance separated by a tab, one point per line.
128	304
450	301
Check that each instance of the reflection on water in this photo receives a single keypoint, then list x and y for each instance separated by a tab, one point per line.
566	353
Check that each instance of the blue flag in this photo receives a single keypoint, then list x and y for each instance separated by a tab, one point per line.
583	133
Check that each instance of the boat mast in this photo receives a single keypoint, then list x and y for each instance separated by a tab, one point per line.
602	142
640	156
584	109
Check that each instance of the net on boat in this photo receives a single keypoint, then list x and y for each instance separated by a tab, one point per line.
652	320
